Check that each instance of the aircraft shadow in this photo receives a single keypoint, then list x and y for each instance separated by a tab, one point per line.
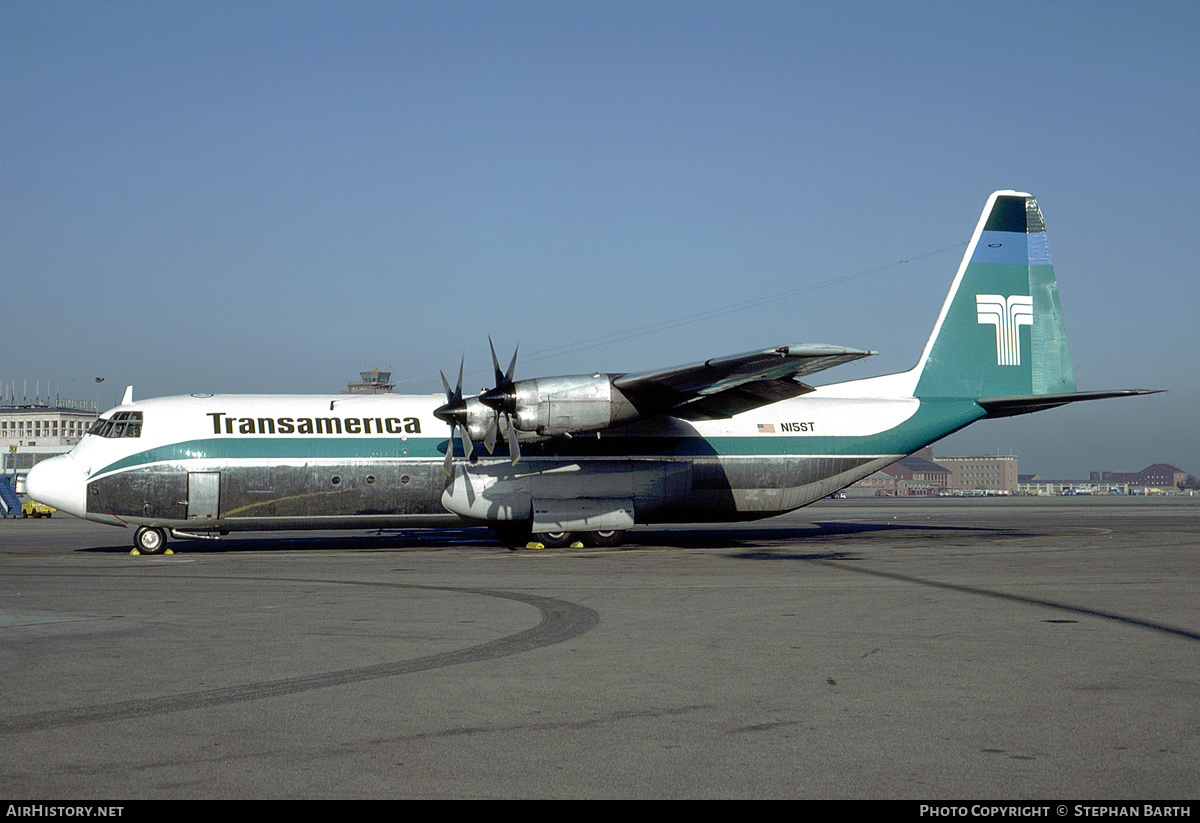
735	536
738	536
426	539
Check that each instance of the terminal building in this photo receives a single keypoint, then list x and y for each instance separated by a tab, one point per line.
33	432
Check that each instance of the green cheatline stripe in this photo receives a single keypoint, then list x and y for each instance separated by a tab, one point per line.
239	448
934	419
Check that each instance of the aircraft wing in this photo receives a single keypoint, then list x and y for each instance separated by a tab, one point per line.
725	386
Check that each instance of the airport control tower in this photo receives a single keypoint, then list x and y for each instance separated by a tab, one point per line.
373	382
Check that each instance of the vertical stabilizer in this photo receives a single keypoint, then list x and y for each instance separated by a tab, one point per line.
1000	332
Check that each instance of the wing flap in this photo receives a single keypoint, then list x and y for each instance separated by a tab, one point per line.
721	373
740	399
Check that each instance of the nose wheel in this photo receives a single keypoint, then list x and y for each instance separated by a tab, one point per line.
150	540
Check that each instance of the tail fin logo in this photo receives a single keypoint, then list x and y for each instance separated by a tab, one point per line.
1007	314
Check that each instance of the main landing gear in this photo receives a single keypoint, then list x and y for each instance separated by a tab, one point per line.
519	536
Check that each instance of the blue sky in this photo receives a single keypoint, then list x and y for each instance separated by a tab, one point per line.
273	196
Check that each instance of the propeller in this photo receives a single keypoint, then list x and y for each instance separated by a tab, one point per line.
503	400
454	412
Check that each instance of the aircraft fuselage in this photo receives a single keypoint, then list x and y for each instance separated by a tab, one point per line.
229	462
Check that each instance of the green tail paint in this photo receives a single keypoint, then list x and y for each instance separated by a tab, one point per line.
1000	332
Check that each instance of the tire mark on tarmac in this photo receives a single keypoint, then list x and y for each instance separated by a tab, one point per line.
830	562
561	620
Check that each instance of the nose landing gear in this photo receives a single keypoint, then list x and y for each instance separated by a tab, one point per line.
150	540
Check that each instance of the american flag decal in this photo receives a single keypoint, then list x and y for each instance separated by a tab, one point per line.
766	428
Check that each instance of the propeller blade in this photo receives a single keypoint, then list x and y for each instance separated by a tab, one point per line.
503	379
512	367
468	446
489	441
448	463
495	362
514	448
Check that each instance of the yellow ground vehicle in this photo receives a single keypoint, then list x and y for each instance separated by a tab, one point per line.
31	508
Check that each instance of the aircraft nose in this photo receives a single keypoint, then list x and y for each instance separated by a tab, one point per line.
59	482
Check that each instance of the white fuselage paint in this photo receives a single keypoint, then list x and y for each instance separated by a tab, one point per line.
320	451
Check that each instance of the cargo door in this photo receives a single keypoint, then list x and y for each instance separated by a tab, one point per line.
204	495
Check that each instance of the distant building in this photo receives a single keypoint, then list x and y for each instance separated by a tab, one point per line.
373	382
917	475
879	484
989	473
922	475
1157	476
31	432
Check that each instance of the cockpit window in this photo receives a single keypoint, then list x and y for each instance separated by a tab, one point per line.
121	424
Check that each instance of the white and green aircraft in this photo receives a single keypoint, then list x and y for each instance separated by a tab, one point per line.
584	457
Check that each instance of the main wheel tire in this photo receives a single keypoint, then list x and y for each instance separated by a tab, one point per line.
603	539
555	540
150	540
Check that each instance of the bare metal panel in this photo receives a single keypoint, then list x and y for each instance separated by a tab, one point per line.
582	514
204	495
156	493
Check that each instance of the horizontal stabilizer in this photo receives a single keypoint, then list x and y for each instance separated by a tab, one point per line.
1029	403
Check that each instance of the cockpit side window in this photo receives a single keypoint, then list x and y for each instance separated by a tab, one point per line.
121	424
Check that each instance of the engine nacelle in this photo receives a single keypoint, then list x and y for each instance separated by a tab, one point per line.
577	404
